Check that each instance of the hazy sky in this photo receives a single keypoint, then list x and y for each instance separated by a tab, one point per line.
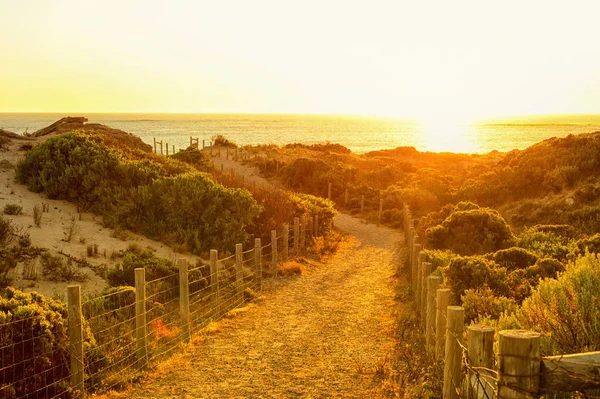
425	59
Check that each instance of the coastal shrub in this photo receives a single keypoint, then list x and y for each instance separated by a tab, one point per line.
148	197
312	206
564	309
123	274
483	302
475	231
195	158
35	334
546	241
7	231
473	272
222	141
54	268
513	258
13	209
324	147
586	245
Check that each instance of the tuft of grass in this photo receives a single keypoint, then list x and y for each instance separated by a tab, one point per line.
13	209
122	234
291	269
37	215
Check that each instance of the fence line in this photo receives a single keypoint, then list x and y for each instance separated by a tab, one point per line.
136	326
472	370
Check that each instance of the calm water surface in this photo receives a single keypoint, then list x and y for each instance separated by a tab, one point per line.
359	133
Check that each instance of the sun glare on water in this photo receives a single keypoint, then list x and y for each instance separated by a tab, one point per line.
447	136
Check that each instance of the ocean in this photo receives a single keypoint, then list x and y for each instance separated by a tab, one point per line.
359	133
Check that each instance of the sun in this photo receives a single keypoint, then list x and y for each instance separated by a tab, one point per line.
447	135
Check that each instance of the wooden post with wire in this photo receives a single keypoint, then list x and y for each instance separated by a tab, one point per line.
480	341
296	236
203	144
518	364
453	361
426	269
76	339
154	144
362	205
184	298
239	276
167	148
214	280
303	234
286	242
140	317
433	283
273	252
257	263
442	303
416	249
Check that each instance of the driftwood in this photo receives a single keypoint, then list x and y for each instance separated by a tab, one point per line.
11	135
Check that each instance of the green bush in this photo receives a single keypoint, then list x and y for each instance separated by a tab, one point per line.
483	302
472	272
54	268
35	337
221	141
140	193
475	231
513	258
123	274
545	241
195	158
565	310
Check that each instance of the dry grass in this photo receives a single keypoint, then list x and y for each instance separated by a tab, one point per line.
291	268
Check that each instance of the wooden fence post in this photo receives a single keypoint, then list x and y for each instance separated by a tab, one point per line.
286	242
346	198
518	364
239	276
453	362
226	152
296	236
303	234
316	225
362	205
328	191
425	272
203	144
273	252
257	264
309	227
480	341
154	144
161	147
76	339
433	283
184	297
380	210
167	148
442	303
214	281
416	268
140	316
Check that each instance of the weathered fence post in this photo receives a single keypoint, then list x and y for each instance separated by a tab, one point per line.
296	236
480	341
442	303
76	339
303	234
316	225
214	281
433	283
257	265
346	198
239	276
286	242
380	210
328	191
167	148
140	316
154	144
309	227
203	144
226	152
425	272
452	364
161	147
362	205
273	252
518	364
416	267
184	297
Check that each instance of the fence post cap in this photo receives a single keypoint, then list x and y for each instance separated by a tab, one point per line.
480	327
519	334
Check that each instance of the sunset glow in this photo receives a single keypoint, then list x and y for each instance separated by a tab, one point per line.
429	60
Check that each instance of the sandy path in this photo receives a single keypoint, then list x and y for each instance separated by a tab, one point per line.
321	335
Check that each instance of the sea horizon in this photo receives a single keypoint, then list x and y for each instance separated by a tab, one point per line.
359	133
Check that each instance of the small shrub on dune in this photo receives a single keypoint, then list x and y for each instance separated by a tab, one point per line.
472	272
221	141
13	209
483	302
195	158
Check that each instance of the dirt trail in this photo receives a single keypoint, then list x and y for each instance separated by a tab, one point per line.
321	335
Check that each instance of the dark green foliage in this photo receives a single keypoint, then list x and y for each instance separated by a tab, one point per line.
6	232
34	331
195	158
474	272
13	209
588	244
327	147
469	232
311	205
545	241
483	302
513	258
55	268
148	197
221	141
123	274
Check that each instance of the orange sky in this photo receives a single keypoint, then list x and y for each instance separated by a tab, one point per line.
455	60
